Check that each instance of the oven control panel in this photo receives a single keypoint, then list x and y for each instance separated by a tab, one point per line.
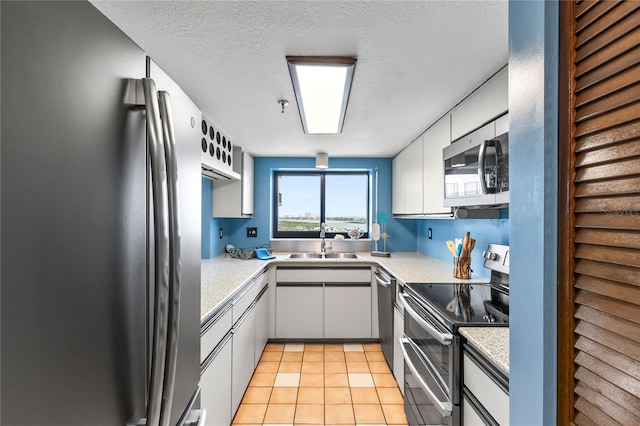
496	258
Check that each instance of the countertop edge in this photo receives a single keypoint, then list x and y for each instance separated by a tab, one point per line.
491	342
364	258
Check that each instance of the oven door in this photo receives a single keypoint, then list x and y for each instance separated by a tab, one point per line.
431	380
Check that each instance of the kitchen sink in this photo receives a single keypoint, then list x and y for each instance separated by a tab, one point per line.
349	255
305	256
341	256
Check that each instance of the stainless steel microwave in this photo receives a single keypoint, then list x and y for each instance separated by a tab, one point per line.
476	170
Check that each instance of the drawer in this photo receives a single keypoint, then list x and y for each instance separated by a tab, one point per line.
323	275
487	392
243	300
214	331
469	415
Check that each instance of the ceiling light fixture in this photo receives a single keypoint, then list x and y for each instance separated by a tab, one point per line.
322	160
322	85
283	103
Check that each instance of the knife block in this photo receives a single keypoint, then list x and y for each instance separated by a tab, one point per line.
462	268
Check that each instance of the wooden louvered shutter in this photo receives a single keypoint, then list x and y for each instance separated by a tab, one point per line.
599	264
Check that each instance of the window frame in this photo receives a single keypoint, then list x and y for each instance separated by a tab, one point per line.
322	174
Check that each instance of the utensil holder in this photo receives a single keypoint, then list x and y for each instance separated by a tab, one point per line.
462	268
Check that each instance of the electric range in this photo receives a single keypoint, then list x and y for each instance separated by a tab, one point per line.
431	345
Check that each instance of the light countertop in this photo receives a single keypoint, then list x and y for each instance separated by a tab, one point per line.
492	342
223	275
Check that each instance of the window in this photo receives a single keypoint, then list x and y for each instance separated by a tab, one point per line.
303	200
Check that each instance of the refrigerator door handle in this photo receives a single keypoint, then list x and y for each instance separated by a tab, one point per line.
175	264
196	418
161	250
203	418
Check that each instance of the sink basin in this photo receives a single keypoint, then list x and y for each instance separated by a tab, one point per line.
341	256
350	255
305	256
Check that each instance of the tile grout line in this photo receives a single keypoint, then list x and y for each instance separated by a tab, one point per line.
324	388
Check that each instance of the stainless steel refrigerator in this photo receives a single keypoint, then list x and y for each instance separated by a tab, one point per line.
100	268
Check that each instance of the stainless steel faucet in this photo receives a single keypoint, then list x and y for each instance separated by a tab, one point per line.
323	244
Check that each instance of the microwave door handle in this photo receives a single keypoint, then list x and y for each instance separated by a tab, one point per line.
443	338
444	407
481	164
500	163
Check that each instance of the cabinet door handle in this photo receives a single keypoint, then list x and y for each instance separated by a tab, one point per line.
345	285
299	284
381	281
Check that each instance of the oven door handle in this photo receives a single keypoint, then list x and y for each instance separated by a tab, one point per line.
443	338
444	407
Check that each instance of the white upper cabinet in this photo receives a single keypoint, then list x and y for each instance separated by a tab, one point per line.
413	178
247	185
485	104
235	198
435	139
502	125
407	180
418	175
418	179
398	186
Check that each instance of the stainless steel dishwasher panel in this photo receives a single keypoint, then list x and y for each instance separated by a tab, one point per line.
386	293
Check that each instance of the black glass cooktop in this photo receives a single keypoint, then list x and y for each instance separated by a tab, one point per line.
464	304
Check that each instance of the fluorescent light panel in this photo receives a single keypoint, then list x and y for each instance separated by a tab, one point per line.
322	86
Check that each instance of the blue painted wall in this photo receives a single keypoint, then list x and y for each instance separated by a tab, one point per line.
530	229
533	140
484	231
212	245
402	232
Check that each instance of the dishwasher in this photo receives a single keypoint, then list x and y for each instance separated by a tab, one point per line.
386	296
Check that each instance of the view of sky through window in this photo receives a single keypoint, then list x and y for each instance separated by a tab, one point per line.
300	200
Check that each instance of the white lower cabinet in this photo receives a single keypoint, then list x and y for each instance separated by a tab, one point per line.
324	302
471	418
215	382
214	331
347	310
398	359
262	324
239	333
491	398
243	356
299	309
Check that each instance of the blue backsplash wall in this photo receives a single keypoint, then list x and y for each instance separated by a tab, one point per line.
402	233
484	231
212	244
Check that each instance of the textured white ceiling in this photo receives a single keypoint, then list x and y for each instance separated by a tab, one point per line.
416	59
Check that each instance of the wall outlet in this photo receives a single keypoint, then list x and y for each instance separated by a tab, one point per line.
252	232
220	233
430	233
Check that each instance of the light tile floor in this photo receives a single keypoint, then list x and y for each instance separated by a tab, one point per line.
331	384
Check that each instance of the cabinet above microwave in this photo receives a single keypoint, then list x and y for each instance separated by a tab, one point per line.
476	167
